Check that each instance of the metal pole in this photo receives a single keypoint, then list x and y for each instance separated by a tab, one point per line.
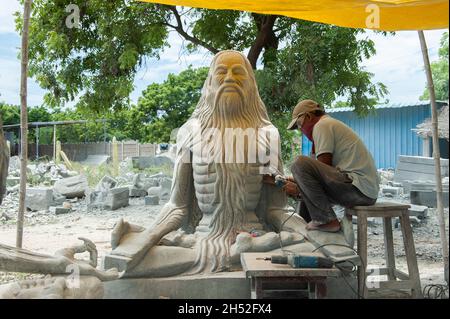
37	142
436	153
23	122
54	143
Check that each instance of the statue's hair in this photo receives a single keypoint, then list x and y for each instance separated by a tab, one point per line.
254	104
230	186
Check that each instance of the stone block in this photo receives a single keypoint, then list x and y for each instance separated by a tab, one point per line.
117	198
96	160
418	211
151	200
12	181
106	183
427	198
418	168
142	162
71	187
396	191
62	210
225	285
38	198
135	192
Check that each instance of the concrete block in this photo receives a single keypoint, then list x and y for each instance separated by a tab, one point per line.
62	210
117	198
12	181
71	187
134	192
427	198
96	160
418	168
418	211
142	162
151	200
225	285
396	191
38	198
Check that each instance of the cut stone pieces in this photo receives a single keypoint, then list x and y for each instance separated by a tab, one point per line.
106	183
96	160
38	198
396	191
142	162
134	192
117	198
151	200
72	187
428	198
12	181
419	211
62	210
418	168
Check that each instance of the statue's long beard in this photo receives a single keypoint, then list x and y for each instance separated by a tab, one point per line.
230	193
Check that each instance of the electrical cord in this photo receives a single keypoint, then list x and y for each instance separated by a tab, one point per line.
435	291
337	264
345	271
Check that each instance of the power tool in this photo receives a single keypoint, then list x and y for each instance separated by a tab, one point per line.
301	261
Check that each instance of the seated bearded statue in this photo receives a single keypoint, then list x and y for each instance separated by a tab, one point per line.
219	205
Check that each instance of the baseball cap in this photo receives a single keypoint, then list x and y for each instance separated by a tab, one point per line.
301	108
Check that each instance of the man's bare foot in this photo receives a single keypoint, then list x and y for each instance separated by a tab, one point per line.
331	227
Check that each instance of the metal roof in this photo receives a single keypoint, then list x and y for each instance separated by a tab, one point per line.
383	106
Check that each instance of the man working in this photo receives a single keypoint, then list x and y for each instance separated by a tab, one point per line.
344	172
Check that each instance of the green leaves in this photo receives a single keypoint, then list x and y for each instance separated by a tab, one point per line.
439	69
166	106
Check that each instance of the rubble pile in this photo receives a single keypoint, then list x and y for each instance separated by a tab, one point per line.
53	190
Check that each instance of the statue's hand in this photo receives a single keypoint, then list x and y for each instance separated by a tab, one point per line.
90	247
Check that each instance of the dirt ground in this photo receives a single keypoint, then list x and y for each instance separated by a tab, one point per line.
45	232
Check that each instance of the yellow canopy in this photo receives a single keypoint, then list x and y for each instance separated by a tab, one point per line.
388	15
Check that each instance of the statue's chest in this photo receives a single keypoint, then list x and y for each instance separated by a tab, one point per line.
238	182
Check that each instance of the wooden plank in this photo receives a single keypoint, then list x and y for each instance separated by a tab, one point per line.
362	252
410	252
403	284
381	214
401	275
254	267
389	247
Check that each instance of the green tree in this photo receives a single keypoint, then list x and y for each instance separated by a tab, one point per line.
98	61
439	69
166	106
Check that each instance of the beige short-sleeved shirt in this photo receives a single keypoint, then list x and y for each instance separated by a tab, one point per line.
350	155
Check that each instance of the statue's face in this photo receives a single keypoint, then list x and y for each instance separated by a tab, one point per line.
230	77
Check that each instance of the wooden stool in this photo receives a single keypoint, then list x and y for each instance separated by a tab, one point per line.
387	211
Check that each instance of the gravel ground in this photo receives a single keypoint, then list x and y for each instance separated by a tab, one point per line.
45	232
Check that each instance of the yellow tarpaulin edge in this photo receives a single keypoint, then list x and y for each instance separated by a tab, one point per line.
386	15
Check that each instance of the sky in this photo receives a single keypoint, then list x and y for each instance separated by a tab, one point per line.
398	62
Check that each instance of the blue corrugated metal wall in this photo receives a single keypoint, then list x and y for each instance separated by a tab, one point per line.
386	133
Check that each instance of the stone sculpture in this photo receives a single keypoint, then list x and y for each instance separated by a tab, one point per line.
62	263
75	278
218	207
87	287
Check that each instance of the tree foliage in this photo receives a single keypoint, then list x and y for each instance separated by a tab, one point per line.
166	106
439	69
98	61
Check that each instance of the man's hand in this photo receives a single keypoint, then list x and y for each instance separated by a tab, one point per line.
291	189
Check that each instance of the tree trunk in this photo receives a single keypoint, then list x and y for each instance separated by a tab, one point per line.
265	39
23	122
